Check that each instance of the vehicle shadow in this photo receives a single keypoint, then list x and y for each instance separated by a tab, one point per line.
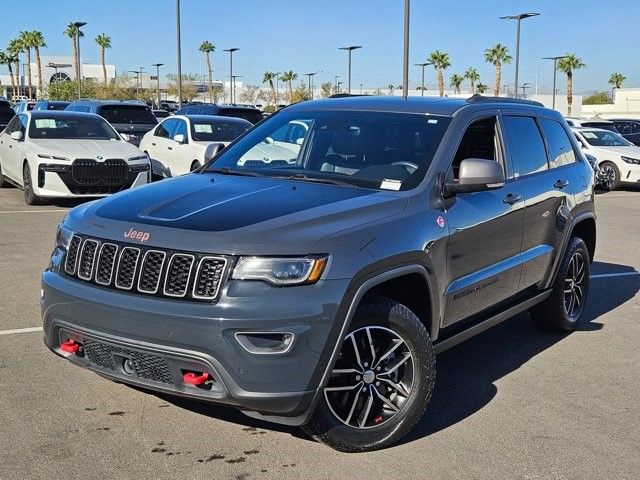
467	373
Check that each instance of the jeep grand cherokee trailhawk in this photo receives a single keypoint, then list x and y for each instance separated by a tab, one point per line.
316	288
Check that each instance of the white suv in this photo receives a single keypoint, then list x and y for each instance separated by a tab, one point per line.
618	159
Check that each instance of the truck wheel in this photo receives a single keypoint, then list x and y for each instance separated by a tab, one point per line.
609	176
27	187
562	310
381	383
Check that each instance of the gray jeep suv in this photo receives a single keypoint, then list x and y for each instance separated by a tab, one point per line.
312	283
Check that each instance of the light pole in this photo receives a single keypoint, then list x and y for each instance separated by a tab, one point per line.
179	54
158	65
524	87
233	79
137	73
231	50
277	87
78	26
405	62
350	49
361	88
555	70
518	17
310	76
422	65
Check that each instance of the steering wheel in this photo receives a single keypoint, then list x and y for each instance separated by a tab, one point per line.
410	166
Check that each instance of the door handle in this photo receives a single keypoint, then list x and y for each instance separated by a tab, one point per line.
561	184
169	148
512	198
153	143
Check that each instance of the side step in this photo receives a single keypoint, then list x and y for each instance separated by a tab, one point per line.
490	322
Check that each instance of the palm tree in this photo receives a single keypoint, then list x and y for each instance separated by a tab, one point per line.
15	48
104	42
455	82
37	44
289	77
268	78
473	76
568	64
73	33
617	79
26	38
7	59
498	55
440	61
207	47
481	88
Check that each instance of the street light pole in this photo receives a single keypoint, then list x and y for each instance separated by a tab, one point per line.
137	73
179	54
350	49
518	18
405	62
231	87
423	65
524	87
78	26
555	70
158	65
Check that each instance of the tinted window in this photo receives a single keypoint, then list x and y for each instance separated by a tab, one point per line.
13	126
165	128
217	131
127	114
623	127
603	125
57	105
249	114
635	127
6	112
558	142
527	148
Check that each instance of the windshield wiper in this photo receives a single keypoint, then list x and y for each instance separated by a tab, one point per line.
331	181
228	171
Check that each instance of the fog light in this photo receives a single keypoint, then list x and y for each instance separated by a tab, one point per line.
265	343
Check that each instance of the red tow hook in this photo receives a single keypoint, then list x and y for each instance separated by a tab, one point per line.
193	379
70	346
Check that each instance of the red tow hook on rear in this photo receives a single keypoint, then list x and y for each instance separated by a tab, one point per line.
70	346
192	378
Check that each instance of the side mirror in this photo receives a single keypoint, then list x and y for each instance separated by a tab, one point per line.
477	175
179	138
299	141
125	137
212	150
17	135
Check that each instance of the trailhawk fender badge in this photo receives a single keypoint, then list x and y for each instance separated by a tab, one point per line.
136	235
440	221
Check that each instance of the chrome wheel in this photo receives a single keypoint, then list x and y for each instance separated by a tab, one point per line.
607	176
372	379
574	287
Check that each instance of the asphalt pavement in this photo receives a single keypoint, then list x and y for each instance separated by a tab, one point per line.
511	403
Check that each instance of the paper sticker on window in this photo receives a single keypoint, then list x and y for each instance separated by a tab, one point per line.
432	120
388	184
203	128
45	123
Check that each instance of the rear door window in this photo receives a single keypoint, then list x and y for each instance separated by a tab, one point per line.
560	148
127	114
527	148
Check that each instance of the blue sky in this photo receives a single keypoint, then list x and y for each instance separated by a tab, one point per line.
304	36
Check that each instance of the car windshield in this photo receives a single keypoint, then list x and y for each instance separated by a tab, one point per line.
128	114
361	148
601	138
217	131
71	127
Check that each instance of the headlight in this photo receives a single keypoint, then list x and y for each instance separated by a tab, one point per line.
635	161
52	157
280	271
63	237
141	157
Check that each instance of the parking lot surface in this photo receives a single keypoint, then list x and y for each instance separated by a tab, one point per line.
512	402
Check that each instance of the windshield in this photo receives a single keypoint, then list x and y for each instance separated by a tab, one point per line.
128	114
370	149
216	130
601	138
72	127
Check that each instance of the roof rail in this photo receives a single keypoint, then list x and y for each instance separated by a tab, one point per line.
477	98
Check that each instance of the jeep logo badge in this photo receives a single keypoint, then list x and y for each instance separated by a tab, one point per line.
136	235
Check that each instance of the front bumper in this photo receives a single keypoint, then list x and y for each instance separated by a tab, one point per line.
632	175
194	336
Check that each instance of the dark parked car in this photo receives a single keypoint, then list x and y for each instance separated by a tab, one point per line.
50	105
629	129
6	113
133	119
169	105
315	288
250	114
160	114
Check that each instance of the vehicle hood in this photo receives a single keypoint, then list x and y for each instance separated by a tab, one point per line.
234	215
630	151
73	149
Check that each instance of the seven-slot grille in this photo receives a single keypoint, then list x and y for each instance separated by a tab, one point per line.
148	271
